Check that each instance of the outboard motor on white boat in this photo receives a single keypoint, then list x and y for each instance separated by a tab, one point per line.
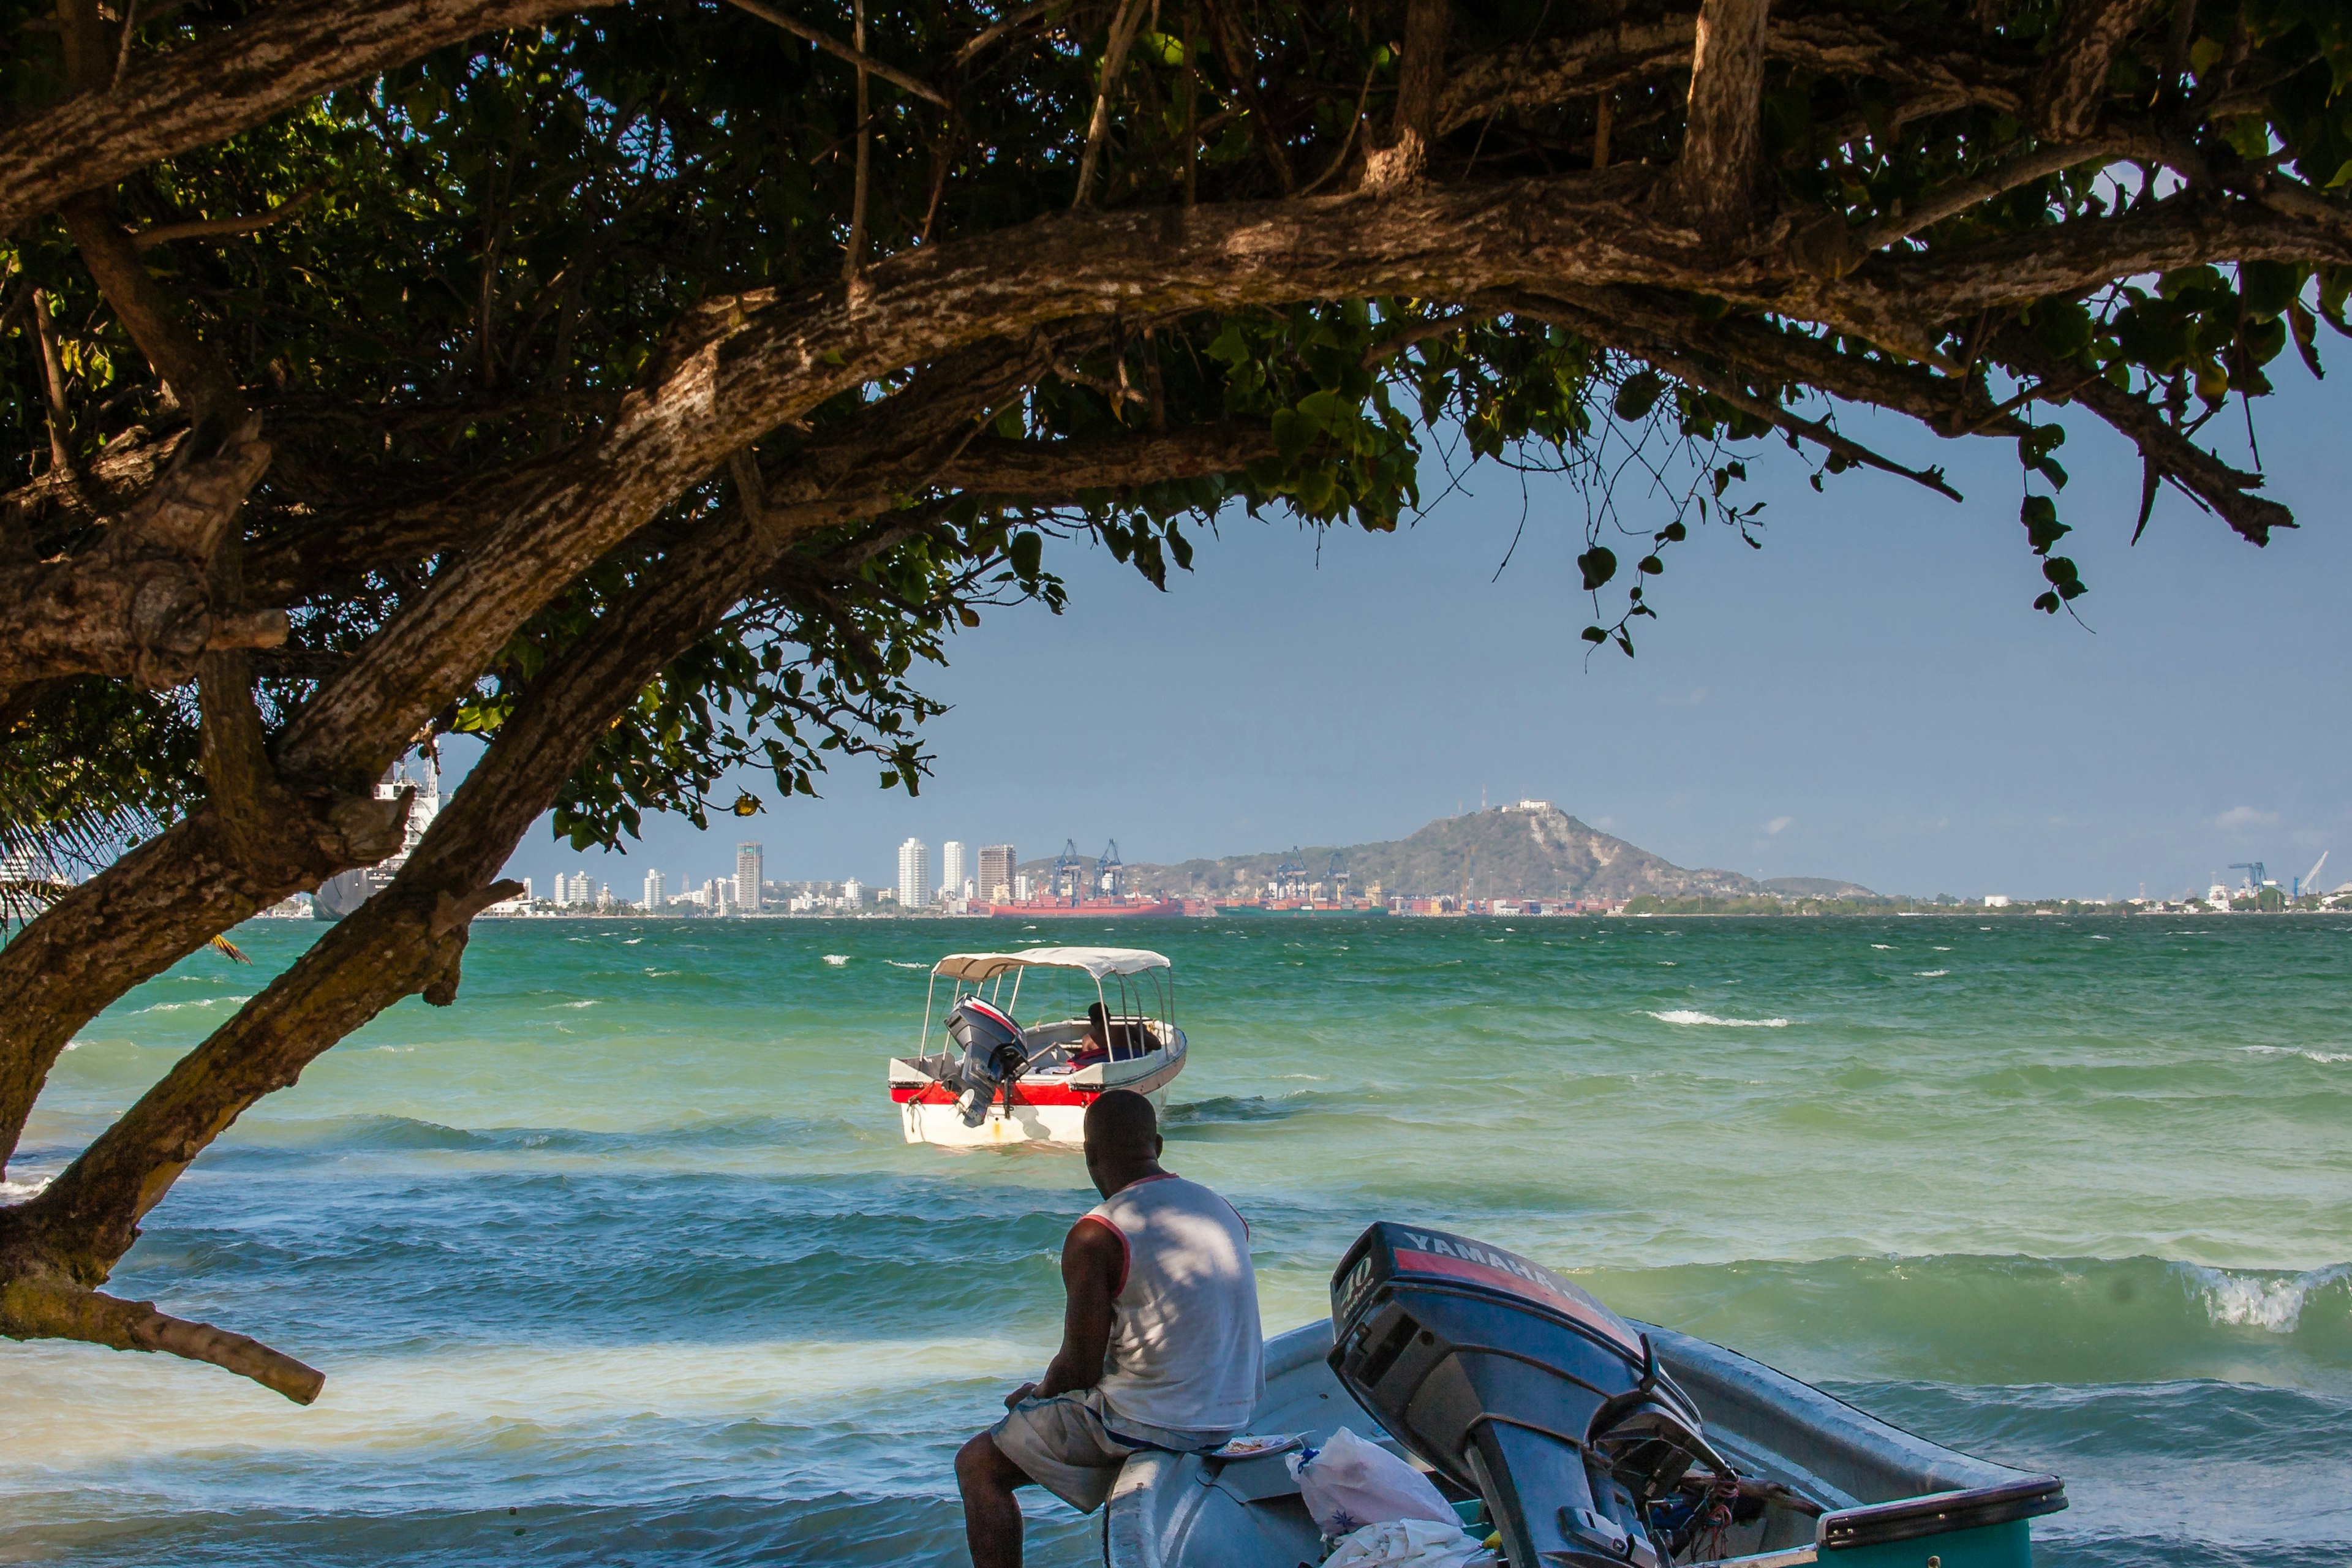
1515	1384
995	1052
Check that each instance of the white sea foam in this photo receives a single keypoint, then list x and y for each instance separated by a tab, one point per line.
199	1002
1931	974
589	1003
2309	1055
633	941
22	1189
837	959
1881	947
1943	950
2251	1301
1691	1016
899	963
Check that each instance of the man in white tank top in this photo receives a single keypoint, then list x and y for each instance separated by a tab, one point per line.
1161	1344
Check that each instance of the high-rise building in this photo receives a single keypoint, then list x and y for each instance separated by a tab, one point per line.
853	894
575	890
749	858
951	870
914	874
722	895
656	890
996	873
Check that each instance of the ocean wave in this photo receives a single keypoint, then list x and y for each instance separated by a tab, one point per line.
2306	1054
589	1003
1931	974
199	1002
837	959
20	1190
2269	1301
1691	1015
901	963
2006	1320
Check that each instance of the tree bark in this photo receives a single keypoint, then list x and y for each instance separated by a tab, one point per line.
1719	177
2073	83
140	604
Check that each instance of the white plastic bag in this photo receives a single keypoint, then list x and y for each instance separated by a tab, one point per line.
1408	1543
1351	1482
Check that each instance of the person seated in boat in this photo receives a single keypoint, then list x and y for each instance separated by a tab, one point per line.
1161	1344
1096	1046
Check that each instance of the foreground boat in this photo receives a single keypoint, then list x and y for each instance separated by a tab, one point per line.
1586	1440
991	1080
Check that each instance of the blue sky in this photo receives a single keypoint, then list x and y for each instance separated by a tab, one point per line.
1870	696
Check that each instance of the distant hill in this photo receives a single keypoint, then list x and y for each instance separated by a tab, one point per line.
1531	849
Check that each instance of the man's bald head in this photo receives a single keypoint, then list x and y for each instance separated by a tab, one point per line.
1122	1125
1122	1140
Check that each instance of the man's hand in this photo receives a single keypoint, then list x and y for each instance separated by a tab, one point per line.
1020	1393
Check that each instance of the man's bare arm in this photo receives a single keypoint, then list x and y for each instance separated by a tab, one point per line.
1094	1265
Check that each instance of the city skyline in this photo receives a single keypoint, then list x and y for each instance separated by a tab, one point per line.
1867	696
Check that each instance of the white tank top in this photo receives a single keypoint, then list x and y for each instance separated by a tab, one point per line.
1186	1353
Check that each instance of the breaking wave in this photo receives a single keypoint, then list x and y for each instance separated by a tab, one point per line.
1691	1015
2307	1055
837	959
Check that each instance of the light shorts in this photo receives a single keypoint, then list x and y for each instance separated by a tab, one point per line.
1063	1444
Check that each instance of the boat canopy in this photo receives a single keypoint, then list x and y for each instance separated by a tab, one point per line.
972	968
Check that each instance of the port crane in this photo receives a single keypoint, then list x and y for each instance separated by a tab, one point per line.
2309	882
1338	877
1069	878
2254	873
1110	872
1290	877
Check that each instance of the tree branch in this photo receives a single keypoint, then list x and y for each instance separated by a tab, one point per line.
1670	357
1554	71
29	1310
1719	177
841	51
211	227
2165	448
140	605
2073	83
285	54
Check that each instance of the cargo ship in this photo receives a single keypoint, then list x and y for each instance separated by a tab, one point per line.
1124	907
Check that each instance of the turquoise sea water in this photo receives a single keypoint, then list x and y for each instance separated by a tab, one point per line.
621	1260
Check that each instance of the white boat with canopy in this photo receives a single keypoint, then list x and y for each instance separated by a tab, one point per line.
1101	1019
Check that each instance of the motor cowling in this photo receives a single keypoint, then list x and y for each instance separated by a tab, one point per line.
1515	1384
995	1053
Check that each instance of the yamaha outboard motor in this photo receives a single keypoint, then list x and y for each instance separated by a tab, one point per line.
1515	1384
995	1053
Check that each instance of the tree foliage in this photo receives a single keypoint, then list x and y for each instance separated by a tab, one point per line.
652	390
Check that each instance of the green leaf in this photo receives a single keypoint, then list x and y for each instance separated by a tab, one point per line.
1639	395
2042	529
1599	564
